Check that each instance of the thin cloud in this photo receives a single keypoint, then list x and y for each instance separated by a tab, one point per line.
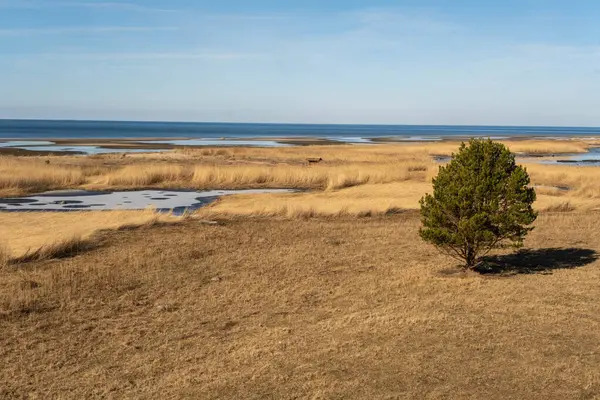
154	56
421	21
246	17
167	56
112	5
133	7
81	30
361	31
120	5
558	51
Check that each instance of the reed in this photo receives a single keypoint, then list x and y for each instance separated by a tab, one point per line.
344	167
362	200
145	175
31	175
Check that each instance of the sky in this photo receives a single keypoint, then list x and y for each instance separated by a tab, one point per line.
473	62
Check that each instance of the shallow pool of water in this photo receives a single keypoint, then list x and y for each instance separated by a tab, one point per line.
418	139
591	158
33	145
19	143
213	142
88	149
350	139
177	201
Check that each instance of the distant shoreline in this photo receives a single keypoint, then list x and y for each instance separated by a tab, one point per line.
125	121
61	130
55	137
75	147
162	141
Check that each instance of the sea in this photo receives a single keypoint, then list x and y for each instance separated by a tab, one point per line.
56	129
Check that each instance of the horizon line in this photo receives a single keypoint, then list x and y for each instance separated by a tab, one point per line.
293	123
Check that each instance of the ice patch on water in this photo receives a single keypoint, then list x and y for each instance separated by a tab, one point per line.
162	200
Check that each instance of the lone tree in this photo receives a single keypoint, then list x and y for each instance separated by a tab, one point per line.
481	200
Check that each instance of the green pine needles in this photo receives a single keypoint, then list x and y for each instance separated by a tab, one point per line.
481	200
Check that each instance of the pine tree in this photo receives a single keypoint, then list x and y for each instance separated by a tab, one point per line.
481	200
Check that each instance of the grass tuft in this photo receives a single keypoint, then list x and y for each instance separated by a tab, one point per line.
61	249
560	207
5	255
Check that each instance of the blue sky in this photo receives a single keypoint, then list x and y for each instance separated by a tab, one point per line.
527	62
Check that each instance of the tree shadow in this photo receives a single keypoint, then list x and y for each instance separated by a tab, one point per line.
536	261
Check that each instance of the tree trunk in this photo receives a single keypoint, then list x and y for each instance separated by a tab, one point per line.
471	257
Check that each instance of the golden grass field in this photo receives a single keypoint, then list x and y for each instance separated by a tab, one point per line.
355	179
323	294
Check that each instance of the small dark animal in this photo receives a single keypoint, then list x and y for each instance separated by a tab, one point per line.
47	162
314	160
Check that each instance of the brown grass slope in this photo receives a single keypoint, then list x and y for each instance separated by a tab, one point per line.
319	308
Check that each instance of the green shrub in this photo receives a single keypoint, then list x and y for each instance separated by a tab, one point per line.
481	200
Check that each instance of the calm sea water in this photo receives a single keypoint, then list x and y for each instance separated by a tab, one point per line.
42	129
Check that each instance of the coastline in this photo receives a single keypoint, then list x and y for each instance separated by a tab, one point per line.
163	141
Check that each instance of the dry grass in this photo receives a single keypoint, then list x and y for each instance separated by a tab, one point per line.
375	199
320	308
577	186
229	167
44	236
59	249
582	181
245	176
145	175
353	166
383	177
560	207
363	200
5	255
291	307
377	153
22	175
384	153
40	235
547	146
